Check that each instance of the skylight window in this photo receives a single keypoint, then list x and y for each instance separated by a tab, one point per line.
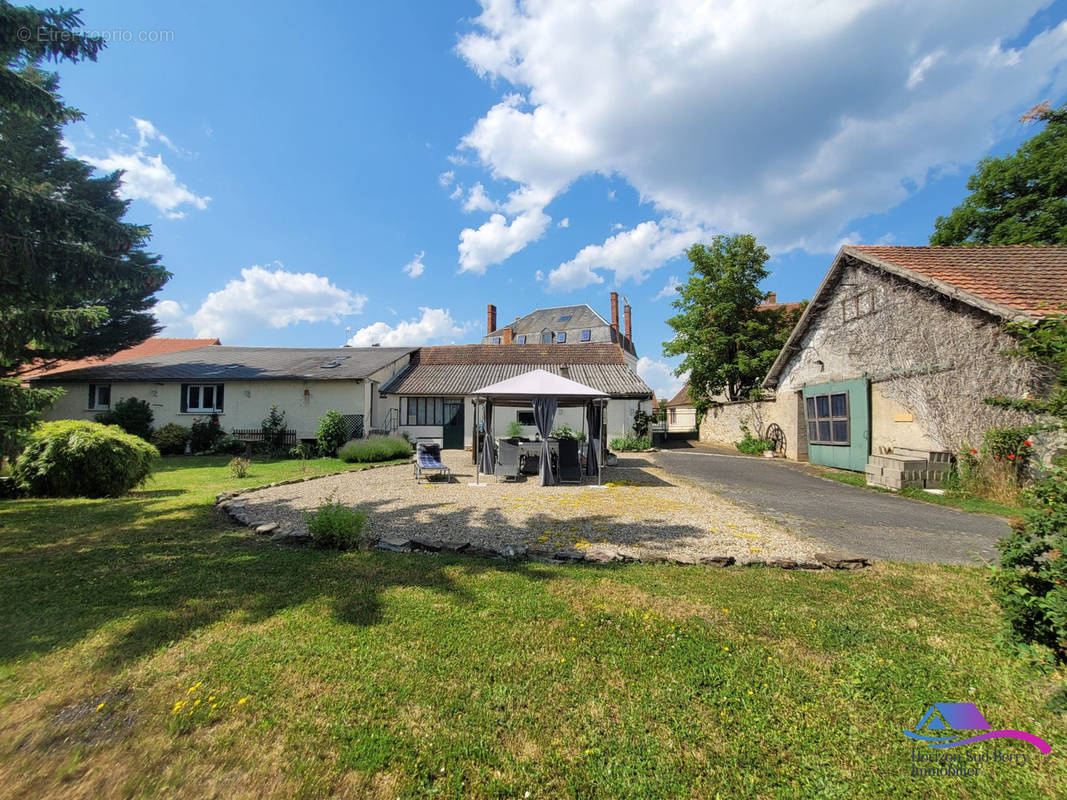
567	318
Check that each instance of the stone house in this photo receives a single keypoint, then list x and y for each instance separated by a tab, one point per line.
898	349
570	325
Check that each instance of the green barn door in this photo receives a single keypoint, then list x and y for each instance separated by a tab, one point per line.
452	435
838	416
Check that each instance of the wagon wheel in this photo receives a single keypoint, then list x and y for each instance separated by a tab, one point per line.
776	436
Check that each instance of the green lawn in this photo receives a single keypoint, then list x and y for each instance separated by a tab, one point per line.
976	505
148	647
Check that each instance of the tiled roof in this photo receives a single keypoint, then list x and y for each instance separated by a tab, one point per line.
1027	278
778	306
461	369
245	363
683	398
156	346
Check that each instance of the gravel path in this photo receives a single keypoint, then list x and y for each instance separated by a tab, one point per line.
643	512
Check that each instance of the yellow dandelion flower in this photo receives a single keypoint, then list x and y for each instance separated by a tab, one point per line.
242	701
99	706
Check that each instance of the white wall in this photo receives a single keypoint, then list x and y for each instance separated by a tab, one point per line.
618	416
245	403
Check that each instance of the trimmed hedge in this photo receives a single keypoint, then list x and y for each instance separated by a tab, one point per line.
377	448
171	439
72	458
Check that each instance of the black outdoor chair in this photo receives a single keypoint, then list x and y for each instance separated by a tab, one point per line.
507	461
570	468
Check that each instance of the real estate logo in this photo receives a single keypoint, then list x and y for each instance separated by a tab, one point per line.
964	717
947	725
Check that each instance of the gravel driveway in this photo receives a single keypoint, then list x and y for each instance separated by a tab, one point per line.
642	512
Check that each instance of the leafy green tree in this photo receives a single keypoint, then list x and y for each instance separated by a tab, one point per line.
727	342
1017	199
76	280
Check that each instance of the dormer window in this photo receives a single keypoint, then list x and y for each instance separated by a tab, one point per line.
587	336
546	337
561	336
521	338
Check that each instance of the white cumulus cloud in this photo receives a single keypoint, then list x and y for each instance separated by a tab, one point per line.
785	118
436	325
415	267
171	315
497	239
630	255
660	376
146	177
670	289
272	298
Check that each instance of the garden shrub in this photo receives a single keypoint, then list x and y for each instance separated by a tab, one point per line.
377	448
336	526
998	470
514	430
304	450
630	443
332	433
74	458
132	415
239	467
641	423
204	433
171	439
227	445
753	445
1031	582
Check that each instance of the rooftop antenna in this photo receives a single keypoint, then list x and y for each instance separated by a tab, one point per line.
348	335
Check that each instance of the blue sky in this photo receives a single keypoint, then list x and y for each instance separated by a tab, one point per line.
391	168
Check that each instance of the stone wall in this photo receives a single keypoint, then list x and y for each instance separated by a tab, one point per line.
722	423
926	356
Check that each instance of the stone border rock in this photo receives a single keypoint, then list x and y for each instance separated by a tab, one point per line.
235	507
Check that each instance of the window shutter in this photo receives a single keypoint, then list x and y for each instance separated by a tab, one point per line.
185	397
92	398
218	396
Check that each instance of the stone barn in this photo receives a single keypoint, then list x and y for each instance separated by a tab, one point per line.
899	347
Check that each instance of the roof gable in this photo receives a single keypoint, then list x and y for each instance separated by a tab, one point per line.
1011	282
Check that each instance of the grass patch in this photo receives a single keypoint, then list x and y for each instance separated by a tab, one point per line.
148	647
977	505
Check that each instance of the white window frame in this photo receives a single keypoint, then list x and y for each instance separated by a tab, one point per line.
199	408
94	389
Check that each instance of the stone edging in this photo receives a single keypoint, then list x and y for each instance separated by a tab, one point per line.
231	503
601	554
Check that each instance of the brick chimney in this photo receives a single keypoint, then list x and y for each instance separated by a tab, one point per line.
626	317
771	298
615	312
505	336
490	318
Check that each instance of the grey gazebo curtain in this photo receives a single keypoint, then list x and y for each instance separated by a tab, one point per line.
544	411
593	418
488	460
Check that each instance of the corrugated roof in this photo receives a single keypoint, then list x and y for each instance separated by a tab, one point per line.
616	380
587	353
1027	278
245	363
157	345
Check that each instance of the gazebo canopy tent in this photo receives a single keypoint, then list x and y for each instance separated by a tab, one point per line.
544	392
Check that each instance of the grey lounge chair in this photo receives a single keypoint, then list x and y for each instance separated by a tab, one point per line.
570	470
507	461
428	459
